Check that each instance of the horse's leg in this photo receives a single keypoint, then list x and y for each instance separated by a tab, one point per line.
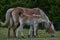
9	31
17	30
36	32
35	29
10	25
20	28
14	28
16	20
30	30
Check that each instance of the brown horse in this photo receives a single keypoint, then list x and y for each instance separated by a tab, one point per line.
25	14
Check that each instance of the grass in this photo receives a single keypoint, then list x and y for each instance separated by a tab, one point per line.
42	35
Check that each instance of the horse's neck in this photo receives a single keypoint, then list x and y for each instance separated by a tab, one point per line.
44	16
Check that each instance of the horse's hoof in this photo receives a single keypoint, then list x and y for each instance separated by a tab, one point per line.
28	36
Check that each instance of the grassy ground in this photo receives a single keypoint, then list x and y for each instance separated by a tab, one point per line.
42	35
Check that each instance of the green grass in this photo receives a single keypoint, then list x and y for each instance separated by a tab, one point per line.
42	35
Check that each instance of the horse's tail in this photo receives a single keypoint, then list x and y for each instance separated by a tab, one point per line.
7	17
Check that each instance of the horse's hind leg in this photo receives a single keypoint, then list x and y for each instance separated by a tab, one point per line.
9	31
30	30
16	20
9	27
20	28
14	28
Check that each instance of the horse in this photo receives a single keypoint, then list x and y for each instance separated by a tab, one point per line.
9	20
35	14
21	10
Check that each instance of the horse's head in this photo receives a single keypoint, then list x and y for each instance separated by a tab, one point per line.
50	29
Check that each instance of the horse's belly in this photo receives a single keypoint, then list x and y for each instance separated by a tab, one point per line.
28	22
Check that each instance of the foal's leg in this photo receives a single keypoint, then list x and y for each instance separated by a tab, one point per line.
30	31
36	32
35	29
20	28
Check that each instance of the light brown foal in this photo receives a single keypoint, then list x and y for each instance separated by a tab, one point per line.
26	13
31	13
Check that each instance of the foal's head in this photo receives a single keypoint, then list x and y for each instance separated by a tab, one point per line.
50	29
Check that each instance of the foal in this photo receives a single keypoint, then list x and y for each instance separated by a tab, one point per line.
19	11
32	14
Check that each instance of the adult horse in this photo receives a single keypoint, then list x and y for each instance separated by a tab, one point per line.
36	15
9	20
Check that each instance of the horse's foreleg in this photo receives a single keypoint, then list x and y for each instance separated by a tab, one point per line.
30	30
21	30
35	29
36	32
21	27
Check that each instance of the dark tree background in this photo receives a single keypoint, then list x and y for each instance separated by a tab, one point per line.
50	7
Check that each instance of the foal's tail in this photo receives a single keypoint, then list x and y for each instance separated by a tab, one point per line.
7	17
